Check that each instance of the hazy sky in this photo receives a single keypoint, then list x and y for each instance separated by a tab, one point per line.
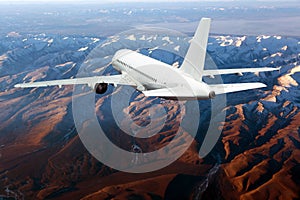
112	1
106	1
123	1
98	1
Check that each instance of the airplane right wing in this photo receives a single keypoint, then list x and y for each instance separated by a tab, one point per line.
90	81
235	87
237	71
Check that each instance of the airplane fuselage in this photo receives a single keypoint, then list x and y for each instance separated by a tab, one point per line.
150	74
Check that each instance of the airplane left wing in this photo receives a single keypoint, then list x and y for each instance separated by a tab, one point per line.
237	71
90	81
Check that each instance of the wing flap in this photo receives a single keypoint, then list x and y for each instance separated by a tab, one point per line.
91	81
235	87
237	71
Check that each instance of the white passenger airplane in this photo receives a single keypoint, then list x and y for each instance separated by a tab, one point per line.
158	79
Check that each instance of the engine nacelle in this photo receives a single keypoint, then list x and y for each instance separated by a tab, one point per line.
101	88
212	94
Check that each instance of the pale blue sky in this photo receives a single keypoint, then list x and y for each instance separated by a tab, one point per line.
100	1
123	1
112	1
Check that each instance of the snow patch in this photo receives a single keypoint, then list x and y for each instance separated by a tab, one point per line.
131	37
95	40
83	49
168	40
227	43
177	48
143	37
50	42
284	48
276	54
151	38
264	37
152	49
240	41
265	58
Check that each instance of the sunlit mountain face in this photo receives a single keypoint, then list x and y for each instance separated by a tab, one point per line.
42	156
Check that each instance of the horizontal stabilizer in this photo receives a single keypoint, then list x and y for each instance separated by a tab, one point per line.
237	71
235	87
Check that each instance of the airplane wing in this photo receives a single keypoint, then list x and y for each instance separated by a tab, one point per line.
90	81
235	87
237	71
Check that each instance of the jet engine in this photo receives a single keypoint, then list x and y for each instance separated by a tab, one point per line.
101	88
212	94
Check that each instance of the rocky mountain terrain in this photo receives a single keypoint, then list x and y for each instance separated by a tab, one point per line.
42	157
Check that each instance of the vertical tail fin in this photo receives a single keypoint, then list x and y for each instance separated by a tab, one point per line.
194	60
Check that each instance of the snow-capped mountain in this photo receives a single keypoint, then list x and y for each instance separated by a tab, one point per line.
41	155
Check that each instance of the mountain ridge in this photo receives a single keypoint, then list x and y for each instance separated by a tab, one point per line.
42	156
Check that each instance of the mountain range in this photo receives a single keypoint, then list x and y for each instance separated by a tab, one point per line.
42	157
